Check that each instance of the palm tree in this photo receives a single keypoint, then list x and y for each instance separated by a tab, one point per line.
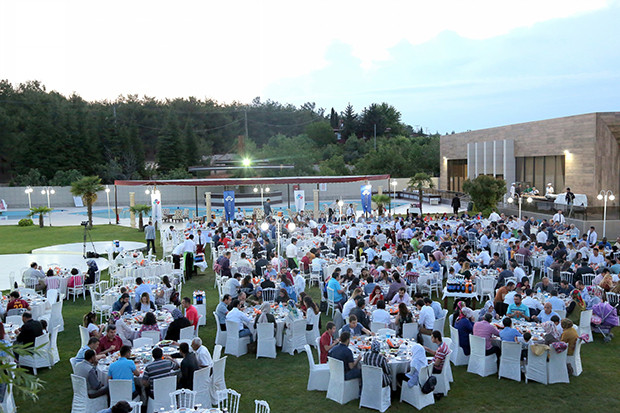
381	201
41	211
419	181
87	188
140	209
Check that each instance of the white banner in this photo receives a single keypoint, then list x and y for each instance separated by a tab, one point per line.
156	207
300	200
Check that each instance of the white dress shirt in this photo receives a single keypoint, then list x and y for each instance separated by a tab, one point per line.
427	317
203	357
291	251
381	316
189	246
238	316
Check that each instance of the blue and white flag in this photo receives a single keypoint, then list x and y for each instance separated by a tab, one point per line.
229	205
300	200
366	191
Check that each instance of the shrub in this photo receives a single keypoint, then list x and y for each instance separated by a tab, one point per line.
25	222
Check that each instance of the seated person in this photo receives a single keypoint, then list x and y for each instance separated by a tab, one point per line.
123	305
401	297
518	309
16	302
546	314
327	341
87	368
354	328
161	366
509	333
342	352
380	315
439	354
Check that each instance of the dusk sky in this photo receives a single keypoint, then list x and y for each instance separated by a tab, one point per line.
449	65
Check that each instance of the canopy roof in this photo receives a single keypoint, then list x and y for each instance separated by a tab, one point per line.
256	181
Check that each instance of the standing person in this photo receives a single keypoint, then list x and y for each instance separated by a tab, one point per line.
189	249
291	253
267	207
149	235
456	204
570	199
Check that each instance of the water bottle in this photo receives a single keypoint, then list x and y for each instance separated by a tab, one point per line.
538	291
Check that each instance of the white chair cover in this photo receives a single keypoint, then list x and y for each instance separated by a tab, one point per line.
318	378
119	390
457	356
235	345
575	359
266	341
154	335
584	324
312	335
413	395
161	391
143	342
41	358
510	361
218	382
81	402
220	337
557	371
410	330
202	386
295	337
374	395
375	326
217	352
340	390
84	336
536	368
54	345
479	363
187	333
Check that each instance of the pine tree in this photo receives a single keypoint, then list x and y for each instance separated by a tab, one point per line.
192	157
170	153
349	120
334	119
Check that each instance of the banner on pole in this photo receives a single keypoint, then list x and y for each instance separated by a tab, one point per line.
366	192
300	200
229	205
156	207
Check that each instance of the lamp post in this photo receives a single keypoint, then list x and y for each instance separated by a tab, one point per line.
263	189
605	195
28	191
529	201
47	191
393	183
340	204
107	194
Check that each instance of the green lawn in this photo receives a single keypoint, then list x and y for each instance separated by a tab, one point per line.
282	382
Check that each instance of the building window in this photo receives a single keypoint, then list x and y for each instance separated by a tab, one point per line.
457	173
538	171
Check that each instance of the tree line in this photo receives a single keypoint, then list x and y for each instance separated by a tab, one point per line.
49	138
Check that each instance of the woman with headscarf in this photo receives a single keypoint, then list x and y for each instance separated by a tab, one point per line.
551	332
265	316
179	322
418	361
375	358
463	325
489	307
607	283
91	273
569	335
256	298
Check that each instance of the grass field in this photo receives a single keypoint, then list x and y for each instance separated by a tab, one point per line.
282	382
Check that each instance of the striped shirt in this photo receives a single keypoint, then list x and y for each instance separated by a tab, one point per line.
440	355
377	360
158	369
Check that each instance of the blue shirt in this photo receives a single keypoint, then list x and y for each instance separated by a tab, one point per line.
509	334
335	285
556	303
123	369
523	308
433	265
342	353
542	316
144	288
357	331
80	354
437	310
368	288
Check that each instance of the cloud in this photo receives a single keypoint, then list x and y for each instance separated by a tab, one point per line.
234	49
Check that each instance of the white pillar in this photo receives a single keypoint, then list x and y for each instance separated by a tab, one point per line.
132	215
316	204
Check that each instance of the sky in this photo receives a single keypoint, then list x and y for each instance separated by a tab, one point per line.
449	65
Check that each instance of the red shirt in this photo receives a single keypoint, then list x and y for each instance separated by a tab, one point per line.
326	340
105	343
192	315
19	303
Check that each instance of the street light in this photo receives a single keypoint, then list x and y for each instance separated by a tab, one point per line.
340	204
246	162
393	183
529	201
605	195
28	191
107	194
47	191
262	190
264	226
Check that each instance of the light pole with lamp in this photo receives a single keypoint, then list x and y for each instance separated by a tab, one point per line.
529	201
262	190
393	183
107	194
47	191
605	195
28	191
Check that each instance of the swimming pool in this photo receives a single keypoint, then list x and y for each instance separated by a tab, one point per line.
124	213
15	215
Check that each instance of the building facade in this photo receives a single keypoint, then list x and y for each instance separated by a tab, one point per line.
581	152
